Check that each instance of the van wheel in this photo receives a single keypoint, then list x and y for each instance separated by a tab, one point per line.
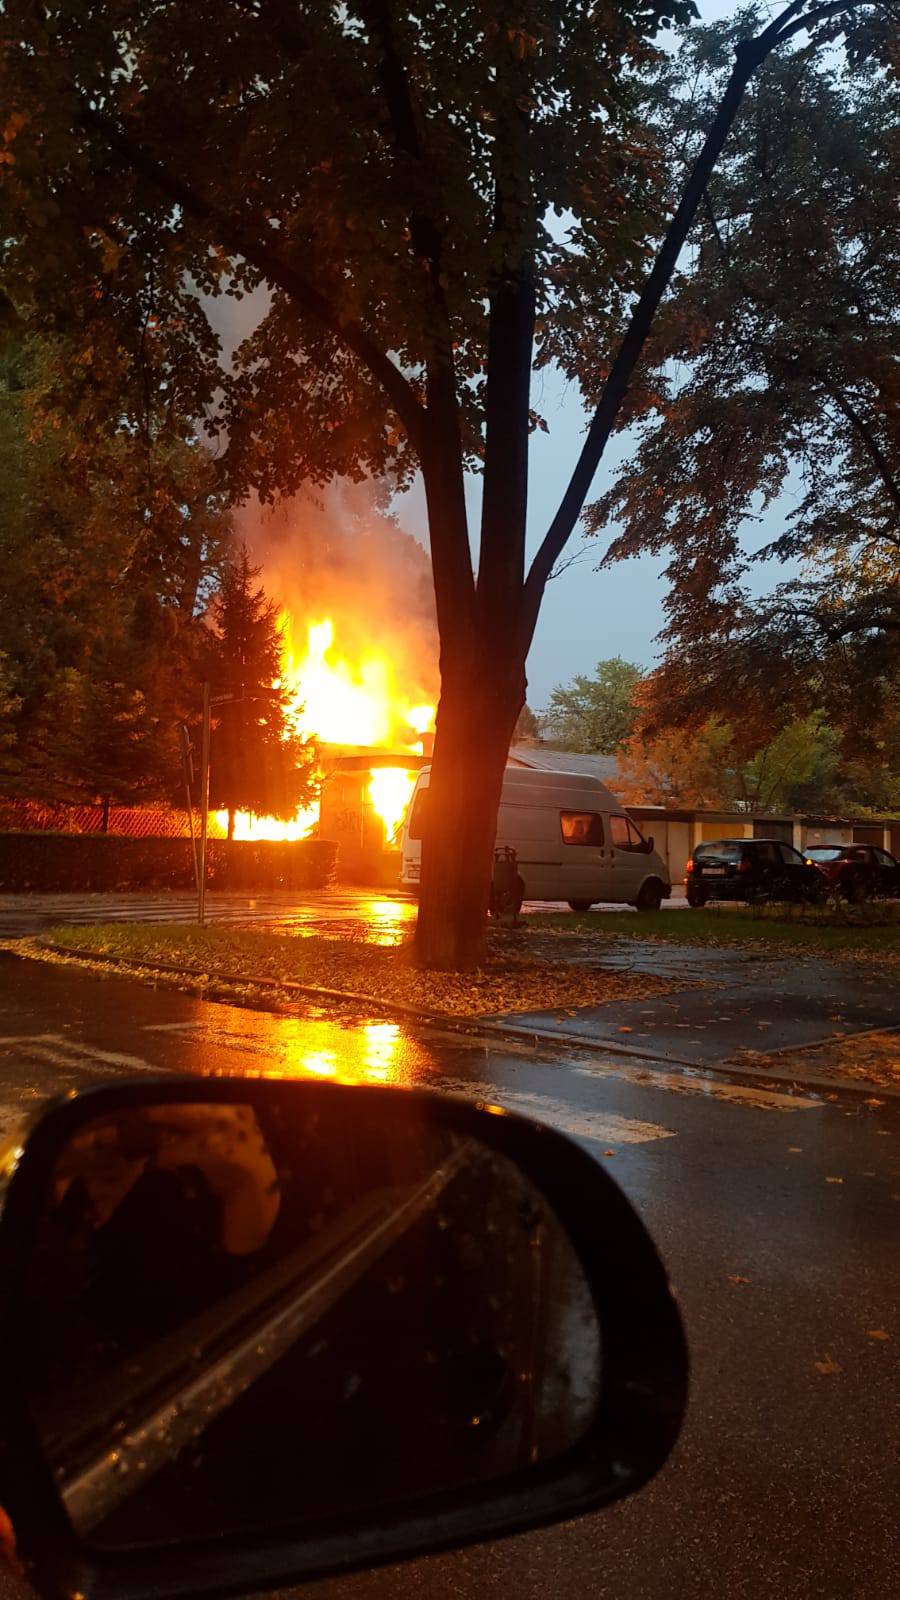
650	897
580	905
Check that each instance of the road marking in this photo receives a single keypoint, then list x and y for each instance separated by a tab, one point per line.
710	1088
581	1123
69	1054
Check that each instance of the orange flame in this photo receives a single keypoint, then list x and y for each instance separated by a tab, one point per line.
339	701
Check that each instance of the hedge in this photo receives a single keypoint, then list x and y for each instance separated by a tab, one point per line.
60	862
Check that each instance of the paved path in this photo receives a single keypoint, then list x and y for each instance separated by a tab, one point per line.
778	1215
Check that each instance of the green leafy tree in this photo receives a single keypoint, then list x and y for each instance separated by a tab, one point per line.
794	771
391	179
595	714
257	763
776	365
106	577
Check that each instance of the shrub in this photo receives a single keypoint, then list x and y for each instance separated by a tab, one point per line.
62	862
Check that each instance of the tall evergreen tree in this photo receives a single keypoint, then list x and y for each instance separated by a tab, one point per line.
258	763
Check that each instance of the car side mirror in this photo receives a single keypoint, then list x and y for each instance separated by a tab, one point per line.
649	845
254	1332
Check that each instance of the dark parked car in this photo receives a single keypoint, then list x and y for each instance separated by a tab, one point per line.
751	869
858	871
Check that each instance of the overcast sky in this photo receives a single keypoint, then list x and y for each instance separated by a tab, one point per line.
586	614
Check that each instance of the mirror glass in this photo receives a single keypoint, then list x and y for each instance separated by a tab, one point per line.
278	1311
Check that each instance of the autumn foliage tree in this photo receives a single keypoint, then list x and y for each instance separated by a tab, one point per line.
435	200
716	765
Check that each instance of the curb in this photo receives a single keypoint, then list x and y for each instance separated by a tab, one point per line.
479	1027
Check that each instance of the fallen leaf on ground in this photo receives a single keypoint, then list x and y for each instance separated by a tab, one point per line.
795	1149
827	1365
834	1180
625	1030
877	1333
609	1152
735	1277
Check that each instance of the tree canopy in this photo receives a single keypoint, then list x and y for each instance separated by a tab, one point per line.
106	576
594	714
776	366
712	766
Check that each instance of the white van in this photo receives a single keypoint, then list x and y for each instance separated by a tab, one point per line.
572	838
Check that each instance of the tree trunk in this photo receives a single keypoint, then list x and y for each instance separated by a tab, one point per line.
476	717
231	822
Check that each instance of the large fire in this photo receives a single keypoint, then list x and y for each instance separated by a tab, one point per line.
345	702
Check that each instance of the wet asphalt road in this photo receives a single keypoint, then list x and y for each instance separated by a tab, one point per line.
340	912
786	1481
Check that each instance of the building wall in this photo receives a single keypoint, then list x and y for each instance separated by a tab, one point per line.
673	841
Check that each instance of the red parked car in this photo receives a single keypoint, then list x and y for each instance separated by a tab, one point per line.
857	871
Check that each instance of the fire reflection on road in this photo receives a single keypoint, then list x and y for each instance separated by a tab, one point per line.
373	1060
321	1046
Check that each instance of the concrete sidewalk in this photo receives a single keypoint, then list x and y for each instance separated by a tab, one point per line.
790	1019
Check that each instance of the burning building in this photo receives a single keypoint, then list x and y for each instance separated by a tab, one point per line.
360	656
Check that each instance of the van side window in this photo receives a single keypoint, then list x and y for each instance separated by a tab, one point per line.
625	836
418	814
636	840
581	827
618	827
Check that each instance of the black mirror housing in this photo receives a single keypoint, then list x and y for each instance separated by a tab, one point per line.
642	1384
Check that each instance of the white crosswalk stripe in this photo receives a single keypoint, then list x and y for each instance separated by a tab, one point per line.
578	1121
712	1088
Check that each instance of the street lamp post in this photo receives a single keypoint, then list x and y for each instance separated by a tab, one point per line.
204	802
210	700
187	765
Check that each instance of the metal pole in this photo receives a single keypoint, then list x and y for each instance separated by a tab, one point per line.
187	767
190	816
204	805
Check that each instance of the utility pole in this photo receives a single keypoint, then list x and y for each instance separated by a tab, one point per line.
204	802
208	702
187	764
